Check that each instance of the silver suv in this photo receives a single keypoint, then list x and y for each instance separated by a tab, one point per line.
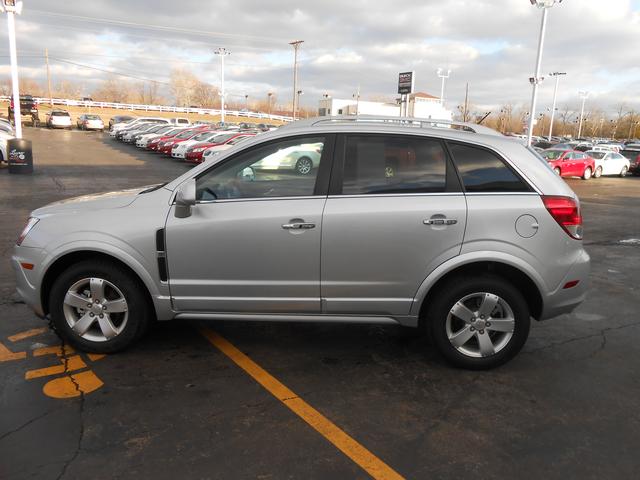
449	227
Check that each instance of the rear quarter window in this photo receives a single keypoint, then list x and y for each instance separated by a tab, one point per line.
482	170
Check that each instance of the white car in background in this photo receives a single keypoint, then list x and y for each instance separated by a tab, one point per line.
213	151
59	119
133	123
4	136
609	163
180	149
143	141
180	121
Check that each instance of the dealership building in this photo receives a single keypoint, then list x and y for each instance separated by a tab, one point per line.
420	105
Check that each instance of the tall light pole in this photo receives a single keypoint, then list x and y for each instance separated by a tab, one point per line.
443	74
223	52
298	93
269	95
584	95
296	45
555	97
537	79
12	7
357	97
246	102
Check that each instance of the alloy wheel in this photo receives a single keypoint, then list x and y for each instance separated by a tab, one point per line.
95	309
480	324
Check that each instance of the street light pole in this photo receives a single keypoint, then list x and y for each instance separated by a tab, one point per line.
223	52
269	95
443	75
296	45
584	95
246	102
555	97
12	7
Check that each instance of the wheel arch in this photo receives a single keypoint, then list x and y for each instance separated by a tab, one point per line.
523	282
68	259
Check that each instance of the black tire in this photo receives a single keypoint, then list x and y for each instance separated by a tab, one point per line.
456	289
303	164
140	314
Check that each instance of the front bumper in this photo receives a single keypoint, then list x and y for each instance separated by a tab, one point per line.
28	281
565	300
178	154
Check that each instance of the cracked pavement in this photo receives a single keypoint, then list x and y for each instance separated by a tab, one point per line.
175	407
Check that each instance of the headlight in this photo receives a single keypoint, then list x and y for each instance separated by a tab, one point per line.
196	150
30	224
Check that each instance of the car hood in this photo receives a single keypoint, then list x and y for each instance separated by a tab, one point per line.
97	201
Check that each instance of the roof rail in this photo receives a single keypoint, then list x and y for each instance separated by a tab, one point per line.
404	121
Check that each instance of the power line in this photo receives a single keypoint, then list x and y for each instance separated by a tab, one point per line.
120	74
158	27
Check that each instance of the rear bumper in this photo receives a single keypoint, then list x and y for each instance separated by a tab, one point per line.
565	300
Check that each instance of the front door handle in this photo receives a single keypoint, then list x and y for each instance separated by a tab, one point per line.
440	221
298	226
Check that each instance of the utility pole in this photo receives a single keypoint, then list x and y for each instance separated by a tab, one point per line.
223	52
584	95
465	110
46	56
11	8
357	97
246	102
296	45
269	95
555	97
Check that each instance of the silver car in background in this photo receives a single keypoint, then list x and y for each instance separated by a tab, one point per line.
448	227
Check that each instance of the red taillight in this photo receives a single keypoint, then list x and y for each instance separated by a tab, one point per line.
638	160
565	211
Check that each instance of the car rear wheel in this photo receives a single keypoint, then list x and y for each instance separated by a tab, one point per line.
97	306
556	171
478	323
598	172
587	173
304	166
623	172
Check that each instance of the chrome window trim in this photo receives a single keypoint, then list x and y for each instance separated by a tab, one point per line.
258	199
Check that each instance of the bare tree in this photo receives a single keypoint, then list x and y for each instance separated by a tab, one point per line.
183	86
67	89
205	95
113	90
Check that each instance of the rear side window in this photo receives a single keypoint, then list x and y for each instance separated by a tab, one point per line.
379	164
483	171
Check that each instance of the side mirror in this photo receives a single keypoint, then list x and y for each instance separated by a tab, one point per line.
185	198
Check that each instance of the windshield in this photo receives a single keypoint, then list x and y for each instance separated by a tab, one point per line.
203	136
92	117
222	138
552	154
184	135
597	155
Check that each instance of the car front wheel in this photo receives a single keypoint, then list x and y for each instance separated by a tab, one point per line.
97	306
623	172
587	173
598	172
478	323
556	171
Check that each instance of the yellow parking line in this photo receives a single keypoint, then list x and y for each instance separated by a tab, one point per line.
7	355
340	439
29	333
72	363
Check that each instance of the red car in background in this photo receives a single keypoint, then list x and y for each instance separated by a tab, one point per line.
570	163
153	144
166	145
194	153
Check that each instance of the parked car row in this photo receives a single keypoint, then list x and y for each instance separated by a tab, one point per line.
191	143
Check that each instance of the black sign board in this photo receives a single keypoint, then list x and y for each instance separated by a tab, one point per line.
20	156
405	83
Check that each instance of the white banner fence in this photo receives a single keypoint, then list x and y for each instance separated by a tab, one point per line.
154	108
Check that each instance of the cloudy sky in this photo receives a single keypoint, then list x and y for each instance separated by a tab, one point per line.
489	43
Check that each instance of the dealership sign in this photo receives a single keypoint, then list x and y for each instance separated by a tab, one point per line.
406	82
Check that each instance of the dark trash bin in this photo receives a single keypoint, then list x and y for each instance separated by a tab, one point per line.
19	156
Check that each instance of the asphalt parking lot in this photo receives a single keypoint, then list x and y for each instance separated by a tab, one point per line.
315	401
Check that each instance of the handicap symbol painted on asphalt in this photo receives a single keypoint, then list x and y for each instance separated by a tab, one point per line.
73	376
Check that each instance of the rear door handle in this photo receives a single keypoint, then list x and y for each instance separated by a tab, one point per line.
298	226
440	221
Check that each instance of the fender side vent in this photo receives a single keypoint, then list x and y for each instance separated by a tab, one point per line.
162	269
160	240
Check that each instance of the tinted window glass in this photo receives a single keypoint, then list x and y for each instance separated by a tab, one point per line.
283	169
483	171
376	164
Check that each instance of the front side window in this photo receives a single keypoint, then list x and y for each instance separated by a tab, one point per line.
379	164
282	169
483	171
